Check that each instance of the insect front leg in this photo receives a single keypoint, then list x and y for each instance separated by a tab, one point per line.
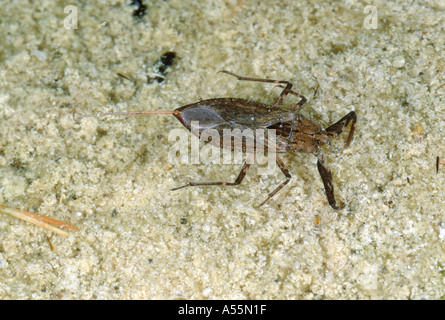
296	108
281	97
340	125
326	177
238	180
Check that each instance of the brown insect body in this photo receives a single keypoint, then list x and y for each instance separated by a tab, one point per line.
294	132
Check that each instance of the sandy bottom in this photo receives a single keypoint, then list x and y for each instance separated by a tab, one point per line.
111	177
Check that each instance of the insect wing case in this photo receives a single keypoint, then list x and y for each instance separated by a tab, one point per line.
239	124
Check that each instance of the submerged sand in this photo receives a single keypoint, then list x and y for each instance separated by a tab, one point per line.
111	177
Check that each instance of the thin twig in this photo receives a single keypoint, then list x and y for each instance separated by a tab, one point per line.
438	161
40	221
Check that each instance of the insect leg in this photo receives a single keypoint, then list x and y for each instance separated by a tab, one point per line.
288	176
338	127
296	107
238	180
326	177
284	93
